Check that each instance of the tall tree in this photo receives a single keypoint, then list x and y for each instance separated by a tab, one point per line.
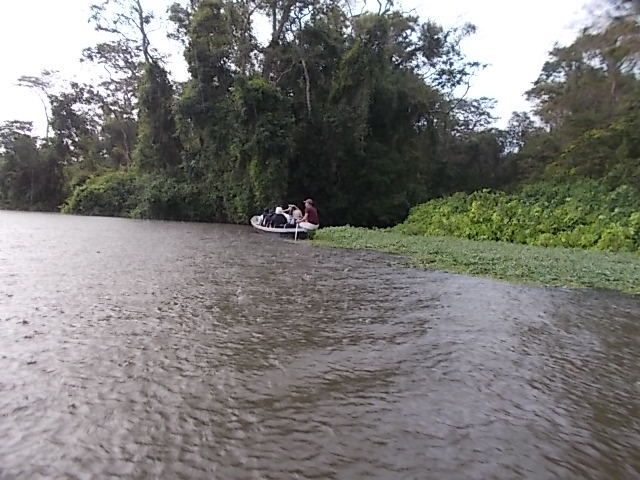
121	59
42	85
117	91
158	144
127	20
30	177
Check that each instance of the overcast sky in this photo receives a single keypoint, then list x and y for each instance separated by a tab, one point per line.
513	38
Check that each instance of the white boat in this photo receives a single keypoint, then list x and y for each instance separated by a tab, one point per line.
299	229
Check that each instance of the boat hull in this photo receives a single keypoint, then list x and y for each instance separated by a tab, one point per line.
301	229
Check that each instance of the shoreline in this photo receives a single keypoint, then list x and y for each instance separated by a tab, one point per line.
515	263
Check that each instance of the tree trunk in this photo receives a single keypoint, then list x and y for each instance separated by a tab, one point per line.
143	32
308	85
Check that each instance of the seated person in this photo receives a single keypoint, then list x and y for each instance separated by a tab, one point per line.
295	213
265	217
310	213
279	220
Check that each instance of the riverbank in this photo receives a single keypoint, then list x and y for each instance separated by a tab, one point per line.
505	261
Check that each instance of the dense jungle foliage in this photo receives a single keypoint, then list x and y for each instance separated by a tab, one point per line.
361	111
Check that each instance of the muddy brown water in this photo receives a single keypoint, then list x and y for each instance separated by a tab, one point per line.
133	349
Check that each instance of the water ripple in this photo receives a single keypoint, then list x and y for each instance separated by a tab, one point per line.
135	349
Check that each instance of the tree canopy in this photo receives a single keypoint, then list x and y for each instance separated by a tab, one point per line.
366	112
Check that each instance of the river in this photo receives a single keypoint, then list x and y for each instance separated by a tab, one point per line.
137	349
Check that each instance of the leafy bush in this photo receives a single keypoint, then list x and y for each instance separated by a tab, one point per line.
584	214
152	196
111	194
167	198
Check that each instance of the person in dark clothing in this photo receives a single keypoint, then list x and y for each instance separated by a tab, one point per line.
310	213
265	218
278	220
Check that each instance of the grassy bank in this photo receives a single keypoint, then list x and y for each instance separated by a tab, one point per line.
512	262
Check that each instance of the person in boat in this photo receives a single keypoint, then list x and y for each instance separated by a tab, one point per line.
295	213
265	217
279	220
287	215
310	213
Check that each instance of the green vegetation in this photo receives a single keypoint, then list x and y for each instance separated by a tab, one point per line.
111	194
517	263
137	195
331	95
585	214
342	107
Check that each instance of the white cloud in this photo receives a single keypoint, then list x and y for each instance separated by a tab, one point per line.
512	38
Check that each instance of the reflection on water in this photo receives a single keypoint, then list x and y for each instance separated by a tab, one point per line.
149	349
